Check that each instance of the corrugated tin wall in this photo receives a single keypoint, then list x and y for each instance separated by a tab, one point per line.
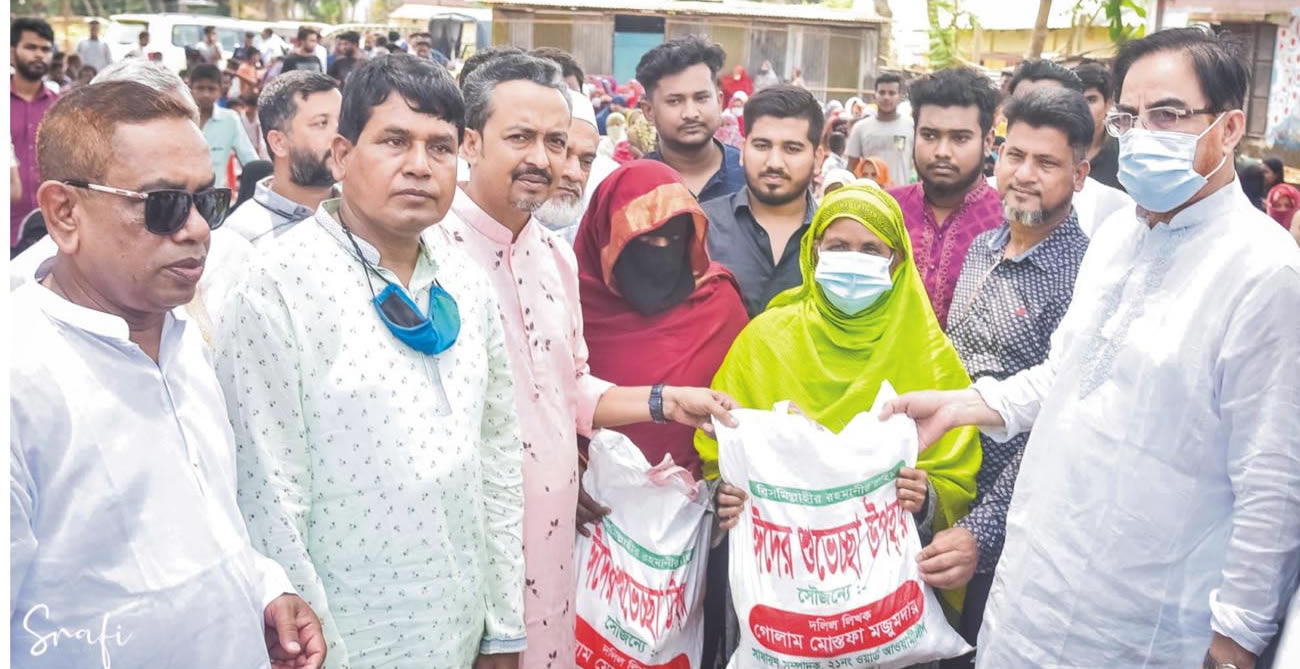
837	63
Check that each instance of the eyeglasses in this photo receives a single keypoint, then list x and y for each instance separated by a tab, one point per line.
166	210
1156	118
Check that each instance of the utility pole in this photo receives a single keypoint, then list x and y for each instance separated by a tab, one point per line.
67	22
1040	30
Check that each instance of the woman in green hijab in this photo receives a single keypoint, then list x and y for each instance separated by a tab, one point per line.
861	317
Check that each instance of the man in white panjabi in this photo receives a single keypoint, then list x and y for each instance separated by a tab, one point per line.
372	402
227	251
1156	517
125	540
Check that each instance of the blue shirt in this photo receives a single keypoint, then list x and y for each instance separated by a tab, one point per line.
225	135
1004	311
729	178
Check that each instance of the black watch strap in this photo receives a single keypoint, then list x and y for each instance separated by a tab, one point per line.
657	403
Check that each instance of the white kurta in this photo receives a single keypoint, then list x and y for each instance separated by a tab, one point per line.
227	256
386	481
1098	202
1159	497
122	514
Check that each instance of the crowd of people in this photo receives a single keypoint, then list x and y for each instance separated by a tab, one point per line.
339	419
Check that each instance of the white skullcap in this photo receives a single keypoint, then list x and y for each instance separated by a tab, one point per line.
837	176
582	109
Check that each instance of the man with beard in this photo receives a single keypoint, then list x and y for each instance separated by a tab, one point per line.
755	232
31	49
1014	289
299	113
347	46
681	101
1096	201
304	56
517	123
221	127
563	211
953	204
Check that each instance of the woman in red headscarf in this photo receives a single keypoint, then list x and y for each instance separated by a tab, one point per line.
1282	203
738	80
654	308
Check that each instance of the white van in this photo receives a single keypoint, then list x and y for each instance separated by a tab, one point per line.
169	34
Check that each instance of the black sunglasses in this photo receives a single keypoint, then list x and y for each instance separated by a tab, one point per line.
166	210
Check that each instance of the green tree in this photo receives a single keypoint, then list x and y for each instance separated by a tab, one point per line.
1121	32
945	17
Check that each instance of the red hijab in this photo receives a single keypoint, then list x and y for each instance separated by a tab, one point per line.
736	81
683	346
1274	203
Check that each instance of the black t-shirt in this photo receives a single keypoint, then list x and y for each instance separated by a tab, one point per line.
341	68
297	61
1105	165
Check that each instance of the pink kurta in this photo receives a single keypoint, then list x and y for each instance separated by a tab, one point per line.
536	279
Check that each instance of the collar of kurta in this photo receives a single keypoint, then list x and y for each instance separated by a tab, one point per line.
279	204
1218	204
468	211
98	323
42	94
327	217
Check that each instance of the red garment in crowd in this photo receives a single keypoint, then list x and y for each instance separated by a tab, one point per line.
1277	206
736	81
683	346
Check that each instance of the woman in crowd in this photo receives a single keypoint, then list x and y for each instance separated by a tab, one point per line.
875	169
729	130
860	318
737	108
737	81
856	109
641	136
1283	202
615	134
654	308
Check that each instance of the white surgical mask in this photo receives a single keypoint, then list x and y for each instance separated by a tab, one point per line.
853	281
1158	167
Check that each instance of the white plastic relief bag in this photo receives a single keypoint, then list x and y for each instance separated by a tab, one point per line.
641	572
823	560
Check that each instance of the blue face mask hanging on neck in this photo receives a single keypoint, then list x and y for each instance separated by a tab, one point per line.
430	334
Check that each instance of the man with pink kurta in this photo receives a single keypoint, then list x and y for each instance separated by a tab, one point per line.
517	124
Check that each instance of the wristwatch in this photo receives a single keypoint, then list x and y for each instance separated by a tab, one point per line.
1211	663
657	406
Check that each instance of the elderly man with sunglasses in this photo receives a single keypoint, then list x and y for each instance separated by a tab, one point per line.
227	250
1156	515
124	527
370	392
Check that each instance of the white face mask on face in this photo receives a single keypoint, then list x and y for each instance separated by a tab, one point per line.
1158	167
853	281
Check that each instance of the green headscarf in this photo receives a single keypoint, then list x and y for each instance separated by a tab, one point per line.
832	364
